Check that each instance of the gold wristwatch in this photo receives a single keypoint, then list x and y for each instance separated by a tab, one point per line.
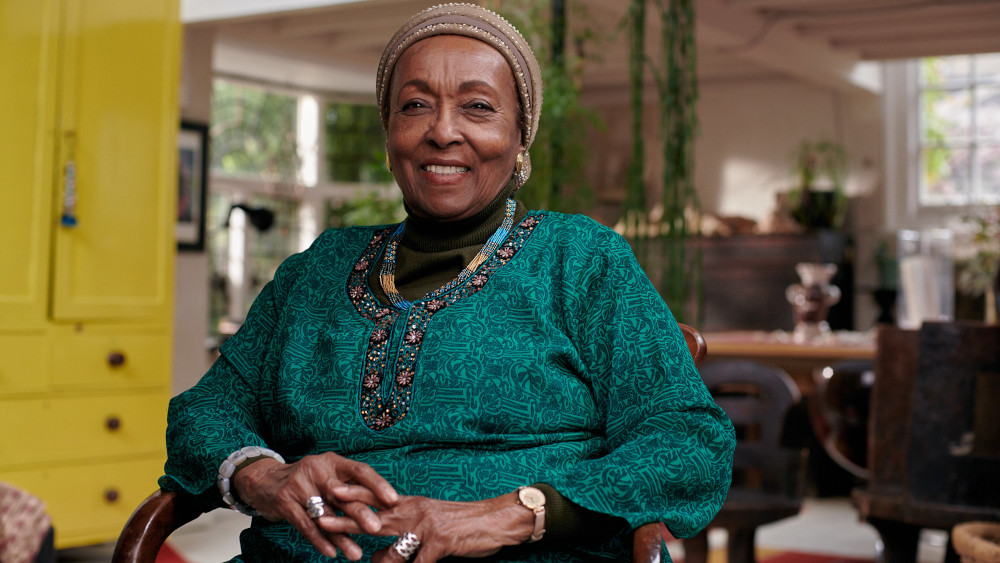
534	500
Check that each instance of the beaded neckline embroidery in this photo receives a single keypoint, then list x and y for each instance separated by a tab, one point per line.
397	335
388	274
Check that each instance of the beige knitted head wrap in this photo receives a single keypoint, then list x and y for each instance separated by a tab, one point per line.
478	23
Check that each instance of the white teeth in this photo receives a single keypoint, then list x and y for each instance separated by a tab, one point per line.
435	169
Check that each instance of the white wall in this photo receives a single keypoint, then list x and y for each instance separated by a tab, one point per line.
191	313
749	131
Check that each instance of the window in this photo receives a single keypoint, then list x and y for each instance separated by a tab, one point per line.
959	124
265	150
355	144
253	133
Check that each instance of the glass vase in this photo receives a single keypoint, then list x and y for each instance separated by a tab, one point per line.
811	300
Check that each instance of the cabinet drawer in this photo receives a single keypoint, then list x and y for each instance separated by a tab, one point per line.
110	357
22	363
81	428
90	503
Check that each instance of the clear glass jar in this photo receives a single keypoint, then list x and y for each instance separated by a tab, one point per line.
926	278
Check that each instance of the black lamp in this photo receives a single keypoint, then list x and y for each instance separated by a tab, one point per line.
260	217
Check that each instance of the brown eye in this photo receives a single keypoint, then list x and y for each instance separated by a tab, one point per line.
413	105
481	107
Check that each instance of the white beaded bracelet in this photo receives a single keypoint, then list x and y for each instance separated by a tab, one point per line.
228	468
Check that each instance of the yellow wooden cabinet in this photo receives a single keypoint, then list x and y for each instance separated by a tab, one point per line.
88	184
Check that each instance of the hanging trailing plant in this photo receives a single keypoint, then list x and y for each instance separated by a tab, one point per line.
634	207
678	95
560	151
677	271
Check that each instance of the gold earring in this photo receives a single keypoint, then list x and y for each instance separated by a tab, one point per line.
388	165
519	172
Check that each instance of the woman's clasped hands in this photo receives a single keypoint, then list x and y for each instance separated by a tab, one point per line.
357	500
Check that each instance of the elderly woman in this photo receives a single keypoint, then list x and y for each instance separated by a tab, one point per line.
477	381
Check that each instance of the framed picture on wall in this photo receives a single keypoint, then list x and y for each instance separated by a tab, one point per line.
192	176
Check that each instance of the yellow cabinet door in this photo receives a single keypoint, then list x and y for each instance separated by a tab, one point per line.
114	233
28	43
76	429
90	503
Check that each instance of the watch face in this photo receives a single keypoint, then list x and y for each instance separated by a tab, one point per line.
531	497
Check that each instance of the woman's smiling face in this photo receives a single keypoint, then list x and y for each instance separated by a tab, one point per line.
453	132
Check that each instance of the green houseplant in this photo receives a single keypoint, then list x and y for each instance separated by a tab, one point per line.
819	201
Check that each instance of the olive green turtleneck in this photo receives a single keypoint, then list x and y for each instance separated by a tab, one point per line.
432	253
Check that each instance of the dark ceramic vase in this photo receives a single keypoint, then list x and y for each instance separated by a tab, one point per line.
885	298
996	293
816	209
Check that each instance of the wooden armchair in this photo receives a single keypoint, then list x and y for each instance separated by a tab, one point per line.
839	413
163	512
768	478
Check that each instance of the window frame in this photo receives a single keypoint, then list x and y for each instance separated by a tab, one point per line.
901	104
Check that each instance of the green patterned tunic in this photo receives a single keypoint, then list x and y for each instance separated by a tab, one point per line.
557	362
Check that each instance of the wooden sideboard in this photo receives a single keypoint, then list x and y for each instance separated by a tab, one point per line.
745	278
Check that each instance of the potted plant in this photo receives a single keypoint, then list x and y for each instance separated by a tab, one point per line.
978	272
819	200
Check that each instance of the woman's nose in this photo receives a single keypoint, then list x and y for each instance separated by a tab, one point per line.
444	130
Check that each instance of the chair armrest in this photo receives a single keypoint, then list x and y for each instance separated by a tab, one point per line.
646	542
156	518
695	342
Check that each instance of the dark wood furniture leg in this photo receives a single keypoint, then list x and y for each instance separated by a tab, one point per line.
899	540
950	555
741	545
696	548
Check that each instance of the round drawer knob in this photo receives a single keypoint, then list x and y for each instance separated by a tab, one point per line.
113	423
111	495
116	359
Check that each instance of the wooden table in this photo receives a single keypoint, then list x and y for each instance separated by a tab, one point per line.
800	359
809	421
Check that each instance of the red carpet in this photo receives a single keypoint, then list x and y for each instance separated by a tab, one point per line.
792	557
717	556
168	555
772	556
765	555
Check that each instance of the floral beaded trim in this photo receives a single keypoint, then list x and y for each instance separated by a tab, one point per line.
389	369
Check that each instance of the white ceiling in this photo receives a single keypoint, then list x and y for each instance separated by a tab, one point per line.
335	44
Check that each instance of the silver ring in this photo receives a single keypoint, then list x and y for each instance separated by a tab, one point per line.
315	507
407	545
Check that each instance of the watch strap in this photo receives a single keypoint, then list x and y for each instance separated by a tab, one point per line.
539	510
